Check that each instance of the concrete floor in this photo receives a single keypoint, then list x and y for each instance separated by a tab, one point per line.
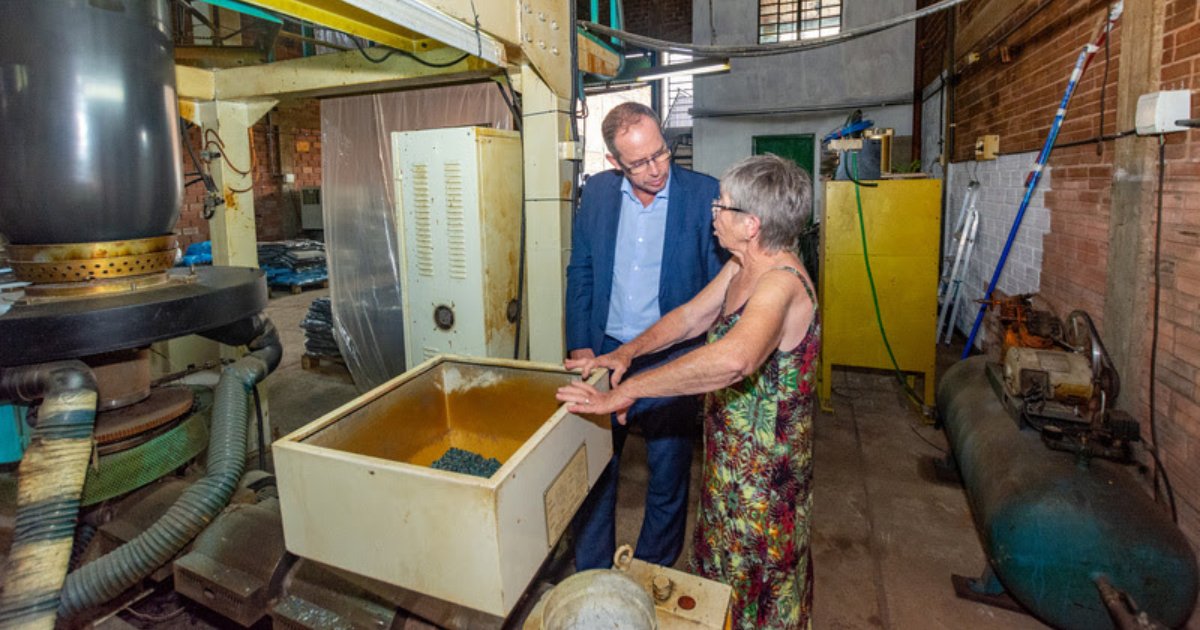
885	537
296	396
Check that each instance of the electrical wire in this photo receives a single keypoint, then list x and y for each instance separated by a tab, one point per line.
862	231
766	50
262	431
1104	87
395	51
1158	467
155	618
215	140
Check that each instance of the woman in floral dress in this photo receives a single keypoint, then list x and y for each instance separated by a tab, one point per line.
757	371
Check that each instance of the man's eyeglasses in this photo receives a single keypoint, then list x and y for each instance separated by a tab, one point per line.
717	207
659	157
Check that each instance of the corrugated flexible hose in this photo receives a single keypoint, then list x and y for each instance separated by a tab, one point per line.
99	581
50	483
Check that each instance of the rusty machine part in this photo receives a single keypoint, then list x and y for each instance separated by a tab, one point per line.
87	269
122	377
1023	326
126	427
1057	378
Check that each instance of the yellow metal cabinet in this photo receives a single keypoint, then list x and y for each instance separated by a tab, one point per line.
903	223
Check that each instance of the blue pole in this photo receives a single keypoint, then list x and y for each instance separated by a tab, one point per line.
1081	64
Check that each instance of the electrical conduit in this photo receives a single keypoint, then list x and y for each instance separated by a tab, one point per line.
99	581
50	483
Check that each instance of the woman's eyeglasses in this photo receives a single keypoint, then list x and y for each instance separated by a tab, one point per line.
717	207
659	157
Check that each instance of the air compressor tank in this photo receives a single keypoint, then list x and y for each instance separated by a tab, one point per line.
1051	523
89	118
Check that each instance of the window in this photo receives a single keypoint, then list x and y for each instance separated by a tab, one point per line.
677	94
789	20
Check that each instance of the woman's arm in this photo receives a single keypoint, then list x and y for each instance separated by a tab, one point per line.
734	357
689	320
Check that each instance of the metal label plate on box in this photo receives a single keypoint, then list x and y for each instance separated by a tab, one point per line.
565	495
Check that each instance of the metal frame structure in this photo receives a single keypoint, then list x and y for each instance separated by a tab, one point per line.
527	38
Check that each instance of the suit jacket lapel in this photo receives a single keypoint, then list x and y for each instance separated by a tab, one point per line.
606	247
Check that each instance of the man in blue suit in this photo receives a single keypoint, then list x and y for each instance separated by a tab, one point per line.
642	245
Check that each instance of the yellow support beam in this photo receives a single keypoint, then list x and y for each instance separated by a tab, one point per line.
195	84
401	24
344	73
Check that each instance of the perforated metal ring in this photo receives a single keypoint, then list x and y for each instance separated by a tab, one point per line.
96	268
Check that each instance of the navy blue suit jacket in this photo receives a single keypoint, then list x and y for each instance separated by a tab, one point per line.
691	256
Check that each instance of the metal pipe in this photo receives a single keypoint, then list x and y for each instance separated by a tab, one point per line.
49	486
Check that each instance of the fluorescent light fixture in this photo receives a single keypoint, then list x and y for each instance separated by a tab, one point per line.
699	66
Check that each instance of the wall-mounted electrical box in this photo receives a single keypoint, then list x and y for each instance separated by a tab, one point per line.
311	216
987	147
1158	111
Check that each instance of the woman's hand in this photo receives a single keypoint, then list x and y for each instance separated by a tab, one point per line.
583	398
617	362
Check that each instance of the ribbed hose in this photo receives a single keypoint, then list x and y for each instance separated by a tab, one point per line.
50	483
98	582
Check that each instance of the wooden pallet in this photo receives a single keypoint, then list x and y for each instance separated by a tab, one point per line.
299	288
315	361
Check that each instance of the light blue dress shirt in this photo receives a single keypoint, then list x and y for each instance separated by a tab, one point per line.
637	264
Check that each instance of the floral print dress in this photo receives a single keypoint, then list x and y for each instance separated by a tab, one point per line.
752	531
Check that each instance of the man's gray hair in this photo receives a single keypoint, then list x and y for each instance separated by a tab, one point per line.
775	190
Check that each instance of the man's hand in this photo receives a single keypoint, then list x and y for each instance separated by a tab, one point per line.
581	353
617	362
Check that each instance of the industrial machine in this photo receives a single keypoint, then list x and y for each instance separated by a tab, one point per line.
90	190
1042	452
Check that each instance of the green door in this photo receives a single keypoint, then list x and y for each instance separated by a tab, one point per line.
799	149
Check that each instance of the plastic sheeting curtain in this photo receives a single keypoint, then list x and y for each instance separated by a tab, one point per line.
362	234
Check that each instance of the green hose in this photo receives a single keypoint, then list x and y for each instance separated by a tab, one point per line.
862	231
98	582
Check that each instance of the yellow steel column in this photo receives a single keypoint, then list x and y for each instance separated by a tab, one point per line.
548	213
225	128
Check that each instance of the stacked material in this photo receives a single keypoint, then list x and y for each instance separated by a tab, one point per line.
197	254
468	463
318	330
293	263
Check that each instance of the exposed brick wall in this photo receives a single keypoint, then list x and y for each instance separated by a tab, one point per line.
297	127
295	149
1017	99
1179	340
664	19
1075	251
192	226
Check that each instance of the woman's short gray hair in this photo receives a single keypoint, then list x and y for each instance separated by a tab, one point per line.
776	191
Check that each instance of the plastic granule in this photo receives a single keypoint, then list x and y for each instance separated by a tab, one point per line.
468	463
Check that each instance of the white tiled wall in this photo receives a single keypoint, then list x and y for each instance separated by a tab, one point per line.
1002	188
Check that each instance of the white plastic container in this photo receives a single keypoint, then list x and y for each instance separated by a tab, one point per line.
357	492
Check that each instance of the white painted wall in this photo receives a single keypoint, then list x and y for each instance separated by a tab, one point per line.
874	68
